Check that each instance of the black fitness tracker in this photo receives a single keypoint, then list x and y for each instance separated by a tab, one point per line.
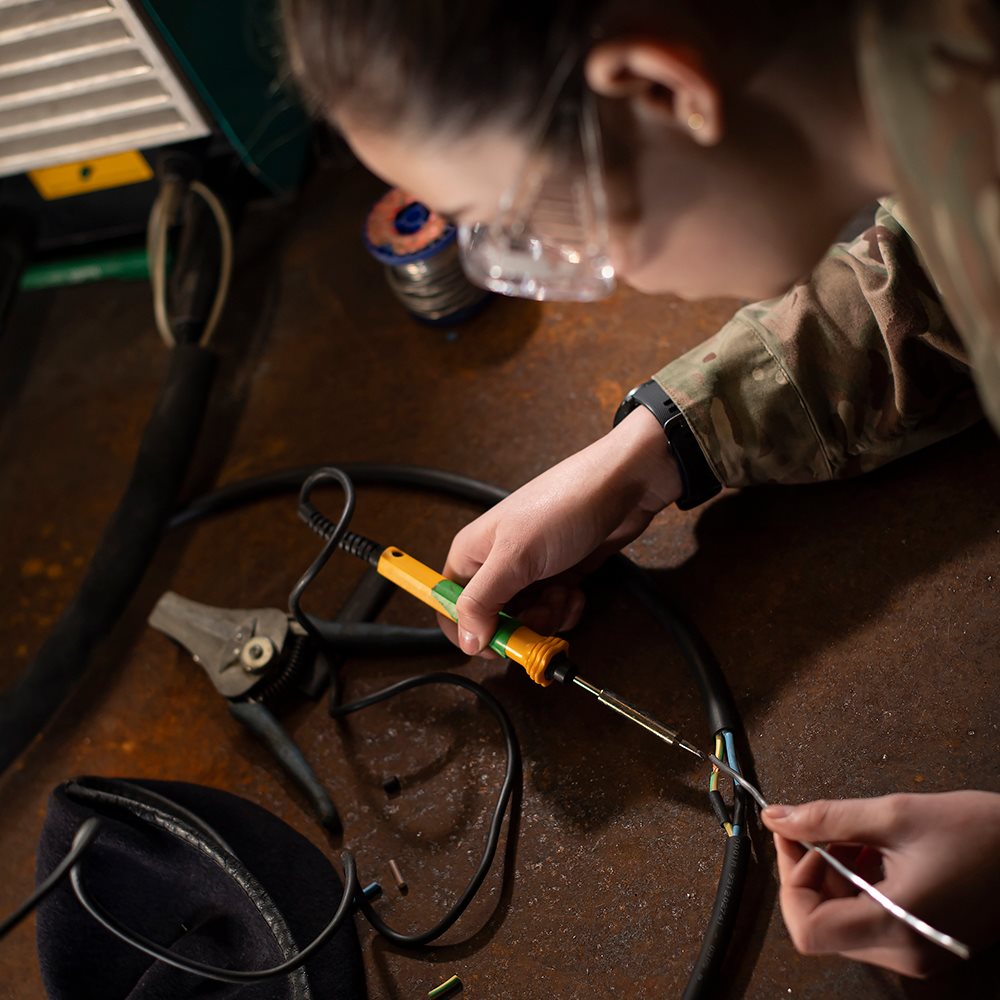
697	479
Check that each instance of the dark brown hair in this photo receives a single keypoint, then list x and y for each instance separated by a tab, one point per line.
453	64
446	63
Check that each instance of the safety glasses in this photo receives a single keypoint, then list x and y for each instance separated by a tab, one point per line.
549	237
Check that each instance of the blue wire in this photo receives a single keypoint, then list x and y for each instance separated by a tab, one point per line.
731	759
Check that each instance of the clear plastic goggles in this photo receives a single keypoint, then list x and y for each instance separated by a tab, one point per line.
549	239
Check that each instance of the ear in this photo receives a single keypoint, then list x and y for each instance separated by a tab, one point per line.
663	82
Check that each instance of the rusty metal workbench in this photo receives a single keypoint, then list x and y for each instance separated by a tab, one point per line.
857	622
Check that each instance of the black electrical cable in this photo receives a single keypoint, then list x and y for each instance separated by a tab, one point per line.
81	841
364	634
703	976
721	713
336	532
511	779
361	474
712	686
335	536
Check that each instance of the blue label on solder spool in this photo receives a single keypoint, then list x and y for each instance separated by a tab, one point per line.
412	218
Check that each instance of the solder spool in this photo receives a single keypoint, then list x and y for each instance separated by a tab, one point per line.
420	253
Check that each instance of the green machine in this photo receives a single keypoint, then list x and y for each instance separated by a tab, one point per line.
230	52
93	95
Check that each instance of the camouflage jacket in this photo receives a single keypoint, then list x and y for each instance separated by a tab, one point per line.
882	350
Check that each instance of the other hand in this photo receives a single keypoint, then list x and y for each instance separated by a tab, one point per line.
936	855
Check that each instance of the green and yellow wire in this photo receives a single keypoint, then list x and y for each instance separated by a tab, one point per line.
448	986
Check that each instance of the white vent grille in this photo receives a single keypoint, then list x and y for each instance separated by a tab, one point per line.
84	78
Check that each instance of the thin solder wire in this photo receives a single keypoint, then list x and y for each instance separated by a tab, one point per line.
912	921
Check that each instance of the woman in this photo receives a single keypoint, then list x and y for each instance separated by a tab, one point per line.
709	149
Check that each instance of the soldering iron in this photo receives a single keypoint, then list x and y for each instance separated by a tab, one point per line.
545	658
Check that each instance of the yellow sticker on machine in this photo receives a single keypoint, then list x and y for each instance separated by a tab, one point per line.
69	179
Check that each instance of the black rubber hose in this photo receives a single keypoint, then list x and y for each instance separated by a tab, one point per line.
720	925
122	554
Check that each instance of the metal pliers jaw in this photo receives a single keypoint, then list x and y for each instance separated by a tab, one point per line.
251	655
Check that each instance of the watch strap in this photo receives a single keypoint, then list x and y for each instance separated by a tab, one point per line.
699	483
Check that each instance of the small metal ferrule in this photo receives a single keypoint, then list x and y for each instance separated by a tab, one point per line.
398	876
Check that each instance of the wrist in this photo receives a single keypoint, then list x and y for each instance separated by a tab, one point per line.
650	465
698	480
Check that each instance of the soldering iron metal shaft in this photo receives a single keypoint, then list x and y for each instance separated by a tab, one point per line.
637	716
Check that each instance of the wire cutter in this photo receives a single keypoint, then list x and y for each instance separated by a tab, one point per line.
251	656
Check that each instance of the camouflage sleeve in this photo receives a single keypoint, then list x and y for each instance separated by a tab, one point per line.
849	370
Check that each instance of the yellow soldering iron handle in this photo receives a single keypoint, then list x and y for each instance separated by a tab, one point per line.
513	640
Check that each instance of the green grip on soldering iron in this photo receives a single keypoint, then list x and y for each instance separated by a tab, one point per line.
512	640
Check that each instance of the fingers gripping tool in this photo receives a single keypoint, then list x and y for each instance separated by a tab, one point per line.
544	657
